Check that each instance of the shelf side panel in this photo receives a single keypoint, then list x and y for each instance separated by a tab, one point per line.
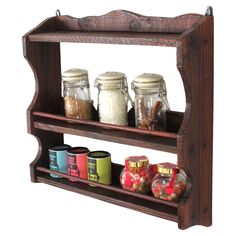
194	141
44	59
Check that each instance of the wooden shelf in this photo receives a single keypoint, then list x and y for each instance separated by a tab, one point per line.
163	141
111	193
188	134
163	211
151	39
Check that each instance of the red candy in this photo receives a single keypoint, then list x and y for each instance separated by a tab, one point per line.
135	177
169	183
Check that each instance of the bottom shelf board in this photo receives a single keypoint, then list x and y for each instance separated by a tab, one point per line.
121	199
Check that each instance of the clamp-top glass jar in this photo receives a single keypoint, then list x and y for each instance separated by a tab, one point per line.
136	176
150	101
77	100
169	183
112	98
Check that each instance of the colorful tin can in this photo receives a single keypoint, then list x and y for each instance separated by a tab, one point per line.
99	167
77	162
58	159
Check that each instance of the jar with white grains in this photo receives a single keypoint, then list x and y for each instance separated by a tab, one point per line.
112	98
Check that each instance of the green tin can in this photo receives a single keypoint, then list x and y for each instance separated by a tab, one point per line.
99	167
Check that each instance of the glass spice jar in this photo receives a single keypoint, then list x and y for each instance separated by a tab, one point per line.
112	98
77	100
150	101
169	183
135	176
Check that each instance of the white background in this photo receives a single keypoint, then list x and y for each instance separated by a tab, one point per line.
38	209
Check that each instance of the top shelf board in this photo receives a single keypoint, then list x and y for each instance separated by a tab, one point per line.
116	27
133	38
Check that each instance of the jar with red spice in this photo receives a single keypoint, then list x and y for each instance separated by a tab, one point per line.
169	183
135	176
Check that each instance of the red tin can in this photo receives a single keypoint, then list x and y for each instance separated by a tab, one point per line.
77	162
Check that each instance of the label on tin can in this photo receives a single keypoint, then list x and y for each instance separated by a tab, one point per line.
53	162
72	166
53	159
99	167
92	170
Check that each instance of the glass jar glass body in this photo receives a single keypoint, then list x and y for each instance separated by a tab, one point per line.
150	109
113	104
136	179
169	187
77	100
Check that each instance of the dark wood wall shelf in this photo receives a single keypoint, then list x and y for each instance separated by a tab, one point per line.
188	134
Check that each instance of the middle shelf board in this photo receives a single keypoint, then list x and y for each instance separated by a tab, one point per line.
162	141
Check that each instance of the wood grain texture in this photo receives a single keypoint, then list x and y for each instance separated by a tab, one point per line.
126	21
115	186
174	120
121	199
128	138
133	38
194	143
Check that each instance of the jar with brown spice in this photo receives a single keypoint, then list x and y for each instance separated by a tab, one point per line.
150	101
77	100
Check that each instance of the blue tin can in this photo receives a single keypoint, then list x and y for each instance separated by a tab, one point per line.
58	159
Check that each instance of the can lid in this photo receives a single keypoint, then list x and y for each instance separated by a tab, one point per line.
75	75
147	81
78	150
110	77
136	161
59	148
166	168
99	154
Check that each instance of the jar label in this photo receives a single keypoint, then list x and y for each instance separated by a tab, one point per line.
58	161
72	166
92	170
53	160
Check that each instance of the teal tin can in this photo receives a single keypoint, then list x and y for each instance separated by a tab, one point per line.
58	159
99	167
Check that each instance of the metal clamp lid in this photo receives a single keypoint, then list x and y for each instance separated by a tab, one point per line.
75	75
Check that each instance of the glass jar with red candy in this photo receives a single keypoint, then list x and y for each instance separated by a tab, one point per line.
169	183
135	176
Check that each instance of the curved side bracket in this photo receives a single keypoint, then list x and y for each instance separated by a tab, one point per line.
45	141
194	141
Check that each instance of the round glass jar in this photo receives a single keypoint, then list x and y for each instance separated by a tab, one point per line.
150	101
169	183
135	176
77	100
112	98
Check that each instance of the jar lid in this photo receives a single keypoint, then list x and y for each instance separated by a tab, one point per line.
75	75
77	150
99	154
147	81
166	168
136	161
60	148
110	77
